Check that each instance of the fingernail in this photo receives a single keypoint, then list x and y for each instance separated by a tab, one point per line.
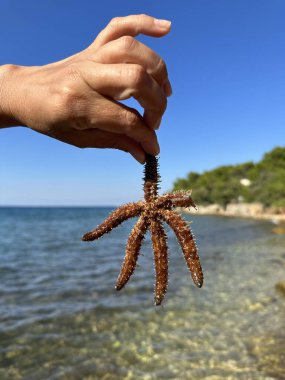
167	89
163	24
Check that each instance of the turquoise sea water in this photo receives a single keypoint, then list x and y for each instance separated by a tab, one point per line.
60	317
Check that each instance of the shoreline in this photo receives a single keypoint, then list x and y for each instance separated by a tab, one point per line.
239	210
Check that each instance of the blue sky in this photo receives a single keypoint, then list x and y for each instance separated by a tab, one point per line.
226	61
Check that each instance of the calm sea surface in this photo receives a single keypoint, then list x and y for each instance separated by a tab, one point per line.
60	317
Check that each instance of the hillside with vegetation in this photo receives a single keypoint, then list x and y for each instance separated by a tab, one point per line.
250	182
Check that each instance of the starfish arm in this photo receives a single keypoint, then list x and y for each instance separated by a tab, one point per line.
132	251
177	199
187	242
160	249
117	217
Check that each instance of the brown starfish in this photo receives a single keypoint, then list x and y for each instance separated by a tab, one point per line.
152	212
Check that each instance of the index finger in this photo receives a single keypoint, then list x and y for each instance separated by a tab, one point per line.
132	26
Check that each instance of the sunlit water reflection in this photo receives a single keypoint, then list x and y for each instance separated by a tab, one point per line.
60	317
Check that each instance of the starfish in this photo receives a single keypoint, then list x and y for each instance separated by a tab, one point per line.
151	213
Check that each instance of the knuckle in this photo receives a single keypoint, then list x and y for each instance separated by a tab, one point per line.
142	17
68	95
161	67
115	21
70	98
140	20
137	76
127	42
71	102
130	120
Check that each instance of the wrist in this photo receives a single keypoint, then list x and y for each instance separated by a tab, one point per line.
8	91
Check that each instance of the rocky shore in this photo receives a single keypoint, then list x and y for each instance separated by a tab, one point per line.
242	210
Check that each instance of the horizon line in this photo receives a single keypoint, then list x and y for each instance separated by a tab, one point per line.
56	206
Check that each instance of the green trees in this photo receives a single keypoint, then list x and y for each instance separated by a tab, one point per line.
249	182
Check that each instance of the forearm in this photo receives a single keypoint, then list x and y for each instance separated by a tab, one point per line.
7	92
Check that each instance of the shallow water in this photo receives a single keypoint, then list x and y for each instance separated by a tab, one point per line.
60	317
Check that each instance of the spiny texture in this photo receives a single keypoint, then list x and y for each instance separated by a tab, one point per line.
152	212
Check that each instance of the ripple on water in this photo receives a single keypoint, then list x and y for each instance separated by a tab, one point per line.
60	317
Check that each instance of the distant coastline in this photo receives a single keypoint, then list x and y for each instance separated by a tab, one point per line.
249	190
241	210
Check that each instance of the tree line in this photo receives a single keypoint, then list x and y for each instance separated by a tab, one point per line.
262	182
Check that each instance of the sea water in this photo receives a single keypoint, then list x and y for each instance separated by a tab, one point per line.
61	318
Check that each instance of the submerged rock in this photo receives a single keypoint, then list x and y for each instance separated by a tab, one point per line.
279	230
280	286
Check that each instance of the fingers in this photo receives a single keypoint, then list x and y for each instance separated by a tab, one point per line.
128	50
109	116
120	119
132	26
122	81
95	138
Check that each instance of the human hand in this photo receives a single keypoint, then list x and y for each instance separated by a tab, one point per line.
77	100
